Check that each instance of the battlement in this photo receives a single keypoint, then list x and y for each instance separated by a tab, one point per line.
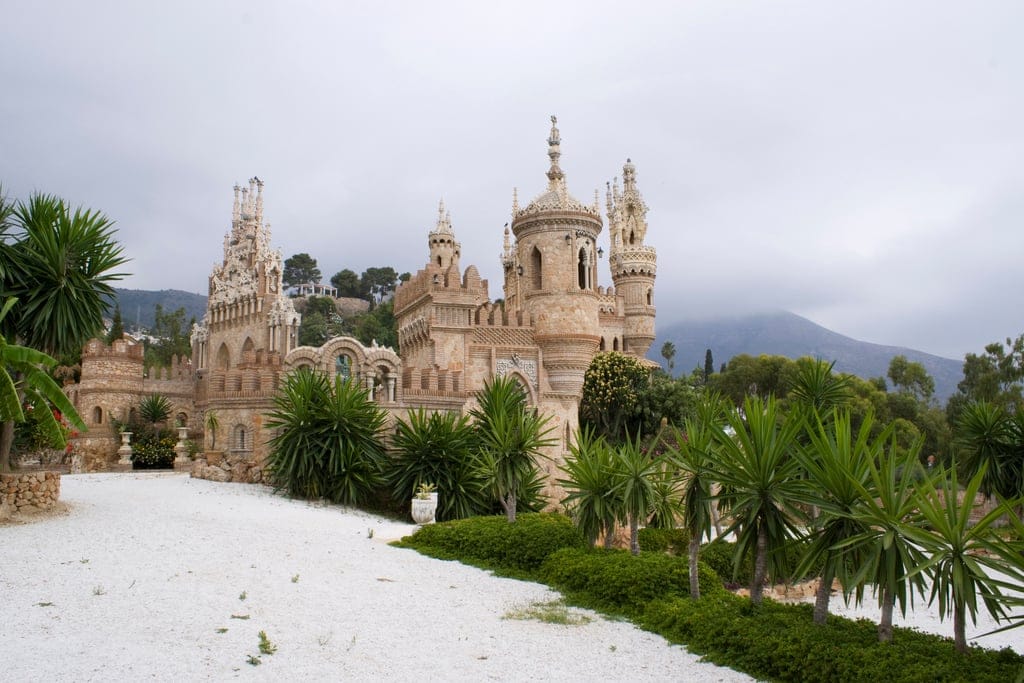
434	280
124	348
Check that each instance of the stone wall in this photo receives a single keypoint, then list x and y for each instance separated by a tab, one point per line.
28	492
227	466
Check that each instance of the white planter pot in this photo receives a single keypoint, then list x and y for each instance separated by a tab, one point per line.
424	509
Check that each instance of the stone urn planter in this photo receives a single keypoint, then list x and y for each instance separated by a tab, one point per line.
424	509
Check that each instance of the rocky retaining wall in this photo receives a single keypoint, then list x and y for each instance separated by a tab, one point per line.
227	466
28	491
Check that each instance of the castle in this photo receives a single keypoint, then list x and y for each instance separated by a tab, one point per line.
553	320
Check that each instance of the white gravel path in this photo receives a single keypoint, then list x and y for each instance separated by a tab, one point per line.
135	582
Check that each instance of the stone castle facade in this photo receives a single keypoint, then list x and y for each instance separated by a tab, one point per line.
553	319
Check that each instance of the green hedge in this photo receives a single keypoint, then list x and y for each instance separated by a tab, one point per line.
675	541
493	542
780	642
617	580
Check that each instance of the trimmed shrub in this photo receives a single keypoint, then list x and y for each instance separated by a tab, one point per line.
674	541
494	543
620	581
780	642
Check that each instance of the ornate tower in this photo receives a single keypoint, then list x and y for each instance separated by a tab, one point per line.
633	264
247	311
444	250
551	275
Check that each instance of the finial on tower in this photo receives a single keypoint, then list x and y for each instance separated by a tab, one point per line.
515	201
444	219
554	174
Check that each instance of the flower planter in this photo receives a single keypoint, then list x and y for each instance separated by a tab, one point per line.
424	509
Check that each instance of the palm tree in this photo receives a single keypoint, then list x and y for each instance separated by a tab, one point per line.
989	440
964	557
887	509
589	482
155	408
636	478
836	458
690	453
32	385
757	471
668	352
60	264
511	437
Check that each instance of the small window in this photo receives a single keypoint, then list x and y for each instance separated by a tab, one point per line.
343	366
97	415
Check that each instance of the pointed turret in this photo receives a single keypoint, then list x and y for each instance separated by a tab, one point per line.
633	264
444	250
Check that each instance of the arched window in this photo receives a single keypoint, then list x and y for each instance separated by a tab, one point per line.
343	366
582	270
536	263
241	438
615	344
181	419
97	415
601	346
650	297
223	357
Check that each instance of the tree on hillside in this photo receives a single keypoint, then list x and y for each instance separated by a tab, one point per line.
116	330
997	376
300	269
911	377
171	337
376	283
347	283
709	365
668	352
60	264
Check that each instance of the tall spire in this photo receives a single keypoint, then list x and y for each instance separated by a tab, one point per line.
555	175
444	220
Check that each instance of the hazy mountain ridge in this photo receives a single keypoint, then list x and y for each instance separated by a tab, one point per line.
790	335
138	305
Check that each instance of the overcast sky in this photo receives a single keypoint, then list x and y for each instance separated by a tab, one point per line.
858	163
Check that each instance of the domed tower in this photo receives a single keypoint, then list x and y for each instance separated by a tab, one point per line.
444	250
633	264
551	275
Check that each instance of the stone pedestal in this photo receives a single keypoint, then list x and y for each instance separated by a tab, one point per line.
181	459
125	451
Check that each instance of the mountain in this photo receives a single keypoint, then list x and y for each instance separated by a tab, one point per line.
138	305
789	335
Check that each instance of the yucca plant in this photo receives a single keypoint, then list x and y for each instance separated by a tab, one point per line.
757	470
689	452
637	478
589	482
155	408
327	442
835	459
965	557
511	436
888	508
438	448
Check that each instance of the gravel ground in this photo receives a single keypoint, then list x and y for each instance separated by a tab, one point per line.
157	576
